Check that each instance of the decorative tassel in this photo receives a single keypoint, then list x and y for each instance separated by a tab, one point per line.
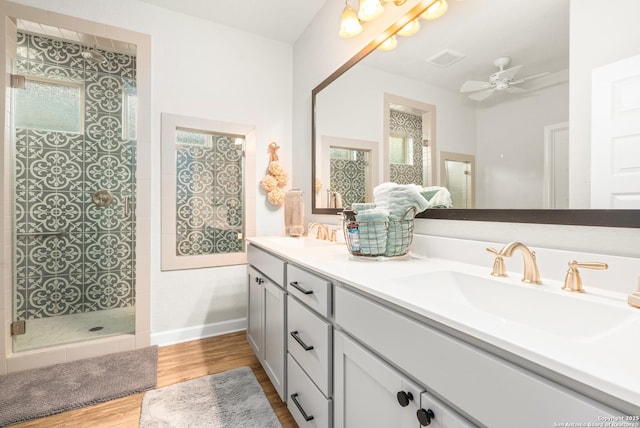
275	178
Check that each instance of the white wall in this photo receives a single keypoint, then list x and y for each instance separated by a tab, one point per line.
510	147
204	70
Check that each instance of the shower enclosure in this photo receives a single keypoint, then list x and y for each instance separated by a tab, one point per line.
74	148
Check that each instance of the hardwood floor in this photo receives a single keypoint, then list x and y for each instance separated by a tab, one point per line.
176	363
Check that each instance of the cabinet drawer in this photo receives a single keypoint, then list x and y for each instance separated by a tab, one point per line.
306	403
309	342
266	263
460	373
311	289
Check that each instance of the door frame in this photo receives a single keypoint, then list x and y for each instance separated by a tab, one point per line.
460	157
9	13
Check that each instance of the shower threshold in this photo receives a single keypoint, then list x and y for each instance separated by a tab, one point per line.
64	329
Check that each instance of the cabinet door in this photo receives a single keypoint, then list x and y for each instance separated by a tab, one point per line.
368	392
254	312
274	333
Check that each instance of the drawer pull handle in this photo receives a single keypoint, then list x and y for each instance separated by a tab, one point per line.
295	335
294	398
295	285
425	416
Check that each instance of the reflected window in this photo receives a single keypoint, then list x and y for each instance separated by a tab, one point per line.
401	150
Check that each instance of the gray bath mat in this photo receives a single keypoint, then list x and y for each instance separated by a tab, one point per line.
35	393
230	399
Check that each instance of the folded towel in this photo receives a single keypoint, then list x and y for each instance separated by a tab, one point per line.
402	198
399	237
361	206
381	194
335	200
372	226
438	197
294	213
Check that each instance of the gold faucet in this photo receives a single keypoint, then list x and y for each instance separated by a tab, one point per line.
573	281
322	232
531	274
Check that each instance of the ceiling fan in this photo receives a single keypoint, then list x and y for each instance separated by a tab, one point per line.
500	81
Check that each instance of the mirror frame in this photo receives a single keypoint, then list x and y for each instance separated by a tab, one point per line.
574	217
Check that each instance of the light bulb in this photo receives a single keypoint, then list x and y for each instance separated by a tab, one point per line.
389	44
370	10
436	10
409	29
349	23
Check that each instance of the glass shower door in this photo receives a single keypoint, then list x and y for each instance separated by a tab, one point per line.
74	204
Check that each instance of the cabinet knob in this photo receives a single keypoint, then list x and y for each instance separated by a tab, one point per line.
404	398
425	416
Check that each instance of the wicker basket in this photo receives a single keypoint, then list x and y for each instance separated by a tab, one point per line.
384	238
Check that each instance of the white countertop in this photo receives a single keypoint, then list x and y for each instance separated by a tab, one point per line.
606	360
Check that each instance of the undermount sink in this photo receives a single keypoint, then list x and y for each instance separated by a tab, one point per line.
298	242
575	317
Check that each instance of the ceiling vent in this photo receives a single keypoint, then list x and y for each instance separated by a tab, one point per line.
445	58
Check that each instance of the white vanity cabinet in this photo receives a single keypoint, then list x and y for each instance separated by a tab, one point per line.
488	389
309	347
266	314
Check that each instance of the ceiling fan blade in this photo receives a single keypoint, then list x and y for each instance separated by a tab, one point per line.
508	73
474	85
535	76
479	96
513	90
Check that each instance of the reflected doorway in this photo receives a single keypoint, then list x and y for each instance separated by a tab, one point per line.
457	174
409	141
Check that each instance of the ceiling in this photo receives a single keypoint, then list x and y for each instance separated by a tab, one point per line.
282	20
534	34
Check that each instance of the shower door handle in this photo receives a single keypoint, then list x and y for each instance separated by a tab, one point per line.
127	207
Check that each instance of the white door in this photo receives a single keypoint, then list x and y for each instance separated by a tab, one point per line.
255	335
368	392
555	193
274	331
615	135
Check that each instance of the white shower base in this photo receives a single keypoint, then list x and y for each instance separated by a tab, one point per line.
63	329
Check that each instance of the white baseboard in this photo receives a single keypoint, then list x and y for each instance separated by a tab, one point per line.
187	334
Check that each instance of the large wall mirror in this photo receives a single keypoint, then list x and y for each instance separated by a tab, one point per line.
484	90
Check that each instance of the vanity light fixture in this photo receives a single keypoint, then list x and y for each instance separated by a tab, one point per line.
410	29
436	10
349	23
389	44
370	10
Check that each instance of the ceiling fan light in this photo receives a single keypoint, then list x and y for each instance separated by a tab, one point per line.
436	10
389	44
349	23
370	10
410	29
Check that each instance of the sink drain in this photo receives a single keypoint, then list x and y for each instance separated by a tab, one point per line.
96	328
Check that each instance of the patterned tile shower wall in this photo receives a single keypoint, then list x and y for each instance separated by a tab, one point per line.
348	178
91	265
407	125
209	194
